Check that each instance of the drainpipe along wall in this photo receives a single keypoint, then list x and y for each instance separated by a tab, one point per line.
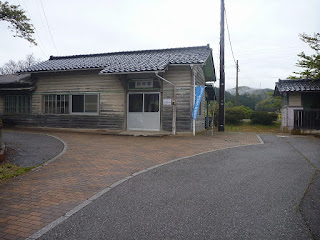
194	99
174	109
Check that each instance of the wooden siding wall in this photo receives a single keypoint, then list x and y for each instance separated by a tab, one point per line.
112	112
200	81
111	93
181	77
1	104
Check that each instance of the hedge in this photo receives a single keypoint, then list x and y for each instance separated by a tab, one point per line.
263	118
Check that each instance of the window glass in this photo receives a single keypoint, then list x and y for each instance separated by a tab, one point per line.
77	103
62	103
49	103
151	102
56	104
91	103
17	104
135	102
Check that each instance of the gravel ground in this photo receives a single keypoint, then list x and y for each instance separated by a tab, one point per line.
29	149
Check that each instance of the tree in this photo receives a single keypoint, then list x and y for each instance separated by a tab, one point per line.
270	104
18	20
311	63
12	67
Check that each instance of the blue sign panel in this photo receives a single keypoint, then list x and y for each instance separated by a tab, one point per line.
199	93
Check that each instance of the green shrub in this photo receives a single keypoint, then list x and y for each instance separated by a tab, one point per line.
263	118
234	115
247	111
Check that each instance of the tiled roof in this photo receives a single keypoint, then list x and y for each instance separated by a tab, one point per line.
303	85
22	82
14	79
121	62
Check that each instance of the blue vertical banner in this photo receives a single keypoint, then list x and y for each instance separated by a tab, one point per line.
199	93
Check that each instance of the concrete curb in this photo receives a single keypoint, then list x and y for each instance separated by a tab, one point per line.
99	194
65	148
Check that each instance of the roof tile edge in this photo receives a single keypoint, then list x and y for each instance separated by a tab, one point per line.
125	52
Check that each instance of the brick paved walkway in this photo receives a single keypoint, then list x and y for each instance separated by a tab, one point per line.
92	162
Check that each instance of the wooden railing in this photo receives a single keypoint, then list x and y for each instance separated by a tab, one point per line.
307	119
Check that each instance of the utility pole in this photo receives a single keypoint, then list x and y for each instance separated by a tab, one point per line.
237	68
221	121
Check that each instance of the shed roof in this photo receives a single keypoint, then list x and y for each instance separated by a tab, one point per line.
301	85
13	83
14	79
130	62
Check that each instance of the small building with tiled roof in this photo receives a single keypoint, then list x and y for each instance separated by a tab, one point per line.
133	90
300	104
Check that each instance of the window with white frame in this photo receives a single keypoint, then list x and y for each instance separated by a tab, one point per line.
17	104
85	103
73	103
56	103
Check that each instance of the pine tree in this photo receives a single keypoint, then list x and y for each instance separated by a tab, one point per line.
311	64
19	22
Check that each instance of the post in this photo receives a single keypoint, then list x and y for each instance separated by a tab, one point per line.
222	75
194	101
237	69
174	112
207	117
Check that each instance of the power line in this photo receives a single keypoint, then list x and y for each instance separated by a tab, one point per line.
45	16
229	36
36	32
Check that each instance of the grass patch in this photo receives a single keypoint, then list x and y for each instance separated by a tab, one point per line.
249	127
8	171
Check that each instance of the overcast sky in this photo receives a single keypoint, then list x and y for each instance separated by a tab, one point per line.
264	34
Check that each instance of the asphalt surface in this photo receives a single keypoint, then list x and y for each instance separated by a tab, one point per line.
252	192
30	149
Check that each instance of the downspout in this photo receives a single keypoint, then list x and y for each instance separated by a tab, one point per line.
207	117
174	109
194	99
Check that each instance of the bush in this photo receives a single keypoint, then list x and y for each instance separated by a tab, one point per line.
234	115
247	111
263	118
270	104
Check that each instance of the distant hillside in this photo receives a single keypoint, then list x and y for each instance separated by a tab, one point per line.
244	90
248	97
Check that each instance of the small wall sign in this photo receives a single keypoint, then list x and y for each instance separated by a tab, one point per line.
167	102
144	84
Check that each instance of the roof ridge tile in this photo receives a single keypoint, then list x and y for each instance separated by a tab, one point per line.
124	52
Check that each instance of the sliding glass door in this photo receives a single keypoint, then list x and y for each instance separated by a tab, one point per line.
143	111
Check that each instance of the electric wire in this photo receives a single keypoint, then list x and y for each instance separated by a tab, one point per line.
225	11
45	16
36	32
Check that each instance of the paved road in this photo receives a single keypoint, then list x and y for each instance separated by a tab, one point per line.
30	149
91	163
251	192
